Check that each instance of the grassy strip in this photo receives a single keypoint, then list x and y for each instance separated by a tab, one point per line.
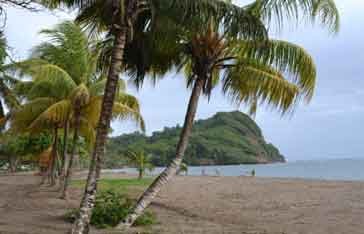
118	185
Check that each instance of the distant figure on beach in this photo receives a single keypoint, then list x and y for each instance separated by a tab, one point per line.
253	173
217	172
203	173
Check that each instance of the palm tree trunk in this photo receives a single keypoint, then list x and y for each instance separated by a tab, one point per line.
13	163
68	170
2	115
64	150
141	173
52	165
64	155
81	225
172	168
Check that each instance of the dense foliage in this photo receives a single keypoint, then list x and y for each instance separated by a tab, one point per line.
16	150
226	138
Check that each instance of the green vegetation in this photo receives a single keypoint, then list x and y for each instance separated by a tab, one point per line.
20	150
226	138
119	185
114	201
111	207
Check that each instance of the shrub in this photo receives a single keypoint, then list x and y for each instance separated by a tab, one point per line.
71	215
110	208
148	218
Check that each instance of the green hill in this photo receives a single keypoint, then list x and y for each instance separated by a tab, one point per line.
226	138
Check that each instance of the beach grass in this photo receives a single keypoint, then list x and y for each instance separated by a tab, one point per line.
130	186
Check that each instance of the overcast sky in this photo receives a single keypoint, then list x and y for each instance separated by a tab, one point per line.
331	126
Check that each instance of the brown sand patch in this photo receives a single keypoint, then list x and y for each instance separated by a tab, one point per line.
196	205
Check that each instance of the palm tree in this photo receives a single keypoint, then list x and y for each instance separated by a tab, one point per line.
85	113
87	109
57	68
182	168
7	96
122	20
66	68
251	72
141	161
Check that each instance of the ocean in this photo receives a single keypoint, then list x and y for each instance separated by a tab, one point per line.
328	169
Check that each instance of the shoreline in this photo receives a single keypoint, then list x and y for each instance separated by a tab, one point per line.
109	175
327	170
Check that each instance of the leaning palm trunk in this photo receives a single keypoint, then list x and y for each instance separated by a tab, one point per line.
81	225
172	168
68	167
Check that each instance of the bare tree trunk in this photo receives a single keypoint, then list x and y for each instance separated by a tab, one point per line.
172	168
81	225
68	170
58	166
13	164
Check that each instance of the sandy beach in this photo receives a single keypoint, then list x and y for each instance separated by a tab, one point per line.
194	205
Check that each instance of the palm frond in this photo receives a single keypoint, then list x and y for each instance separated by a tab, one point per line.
88	132
251	81
96	17
59	79
92	110
287	58
27	113
277	11
125	107
97	88
3	48
124	112
128	100
22	88
68	49
54	115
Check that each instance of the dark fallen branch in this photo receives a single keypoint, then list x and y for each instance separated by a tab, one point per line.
25	4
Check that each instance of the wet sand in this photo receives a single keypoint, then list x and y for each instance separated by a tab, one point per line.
213	205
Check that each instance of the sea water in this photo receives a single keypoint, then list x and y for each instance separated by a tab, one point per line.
333	169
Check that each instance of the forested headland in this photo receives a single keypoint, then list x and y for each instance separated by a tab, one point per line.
224	139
